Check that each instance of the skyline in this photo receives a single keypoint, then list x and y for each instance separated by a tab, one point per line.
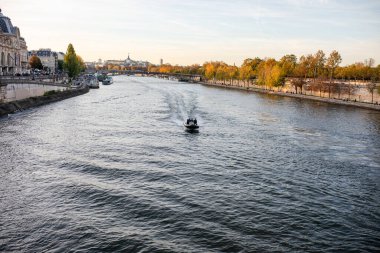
199	31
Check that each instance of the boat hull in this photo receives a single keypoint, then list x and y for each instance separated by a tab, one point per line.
191	127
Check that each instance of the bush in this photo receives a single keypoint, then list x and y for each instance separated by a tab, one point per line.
51	92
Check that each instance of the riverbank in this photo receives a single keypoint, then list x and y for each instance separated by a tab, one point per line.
300	96
19	105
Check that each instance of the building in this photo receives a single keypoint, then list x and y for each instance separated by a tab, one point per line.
139	64
114	62
161	61
49	59
127	64
13	49
61	56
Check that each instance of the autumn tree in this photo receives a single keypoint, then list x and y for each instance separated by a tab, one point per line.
82	65
288	64
374	77
233	73
319	63
245	73
269	73
248	70
222	72
211	69
35	62
371	86
332	63
71	63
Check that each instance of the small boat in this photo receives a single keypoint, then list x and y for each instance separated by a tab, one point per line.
191	124
107	80
92	81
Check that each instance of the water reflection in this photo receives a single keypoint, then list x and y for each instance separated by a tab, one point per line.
115	171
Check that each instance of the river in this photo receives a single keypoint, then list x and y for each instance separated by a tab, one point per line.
114	171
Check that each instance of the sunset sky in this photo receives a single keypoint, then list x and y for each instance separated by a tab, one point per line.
195	31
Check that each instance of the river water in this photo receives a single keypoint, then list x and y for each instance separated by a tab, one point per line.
114	171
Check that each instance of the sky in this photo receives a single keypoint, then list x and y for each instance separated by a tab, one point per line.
195	31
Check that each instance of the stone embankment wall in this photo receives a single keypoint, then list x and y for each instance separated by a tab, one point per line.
360	91
19	105
363	105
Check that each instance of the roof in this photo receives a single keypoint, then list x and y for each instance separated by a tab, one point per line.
6	25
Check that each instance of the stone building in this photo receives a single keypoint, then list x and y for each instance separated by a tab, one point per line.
13	49
49	59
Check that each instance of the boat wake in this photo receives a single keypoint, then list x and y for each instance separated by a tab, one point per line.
181	106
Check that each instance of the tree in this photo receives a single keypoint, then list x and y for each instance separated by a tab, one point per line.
249	68
71	63
269	73
298	83
319	62
371	86
288	64
211	69
222	72
82	65
245	73
307	64
332	63
35	62
60	65
233	73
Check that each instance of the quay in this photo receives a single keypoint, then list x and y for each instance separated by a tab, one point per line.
336	101
42	90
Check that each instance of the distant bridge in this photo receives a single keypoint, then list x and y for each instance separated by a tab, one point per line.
178	76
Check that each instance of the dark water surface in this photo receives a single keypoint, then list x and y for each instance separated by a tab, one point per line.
114	171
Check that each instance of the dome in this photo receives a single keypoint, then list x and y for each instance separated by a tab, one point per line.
6	24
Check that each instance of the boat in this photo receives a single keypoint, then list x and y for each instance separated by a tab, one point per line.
191	124
107	81
92	81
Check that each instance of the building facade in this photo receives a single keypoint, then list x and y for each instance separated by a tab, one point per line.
49	59
13	49
131	63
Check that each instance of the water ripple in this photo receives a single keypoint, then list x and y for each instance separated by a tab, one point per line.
114	171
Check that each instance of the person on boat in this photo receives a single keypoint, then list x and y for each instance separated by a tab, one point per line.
195	121
188	121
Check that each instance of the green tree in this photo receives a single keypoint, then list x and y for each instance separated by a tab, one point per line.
35	62
71	63
60	65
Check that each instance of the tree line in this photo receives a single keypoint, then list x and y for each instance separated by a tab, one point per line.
318	72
